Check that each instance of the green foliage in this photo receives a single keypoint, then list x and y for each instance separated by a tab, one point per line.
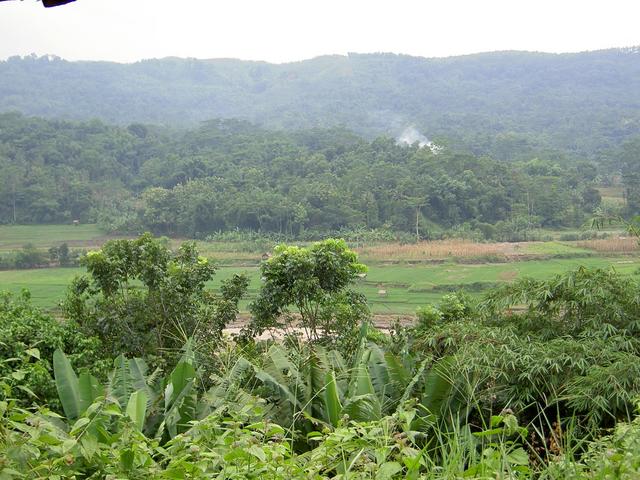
316	281
228	175
573	303
29	257
452	307
616	455
61	255
24	330
161	408
630	163
344	420
428	316
577	333
142	299
308	388
238	443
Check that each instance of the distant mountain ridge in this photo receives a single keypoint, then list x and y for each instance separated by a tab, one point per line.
505	103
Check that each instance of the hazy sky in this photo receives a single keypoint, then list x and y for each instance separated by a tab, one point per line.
289	30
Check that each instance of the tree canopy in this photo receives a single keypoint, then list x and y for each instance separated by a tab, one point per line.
228	175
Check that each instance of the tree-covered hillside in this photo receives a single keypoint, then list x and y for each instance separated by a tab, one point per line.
229	174
506	104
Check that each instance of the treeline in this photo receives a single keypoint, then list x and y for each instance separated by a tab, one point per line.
29	257
231	175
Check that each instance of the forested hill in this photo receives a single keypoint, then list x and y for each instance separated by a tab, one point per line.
228	175
506	104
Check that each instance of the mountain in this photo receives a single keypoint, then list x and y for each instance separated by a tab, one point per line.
506	104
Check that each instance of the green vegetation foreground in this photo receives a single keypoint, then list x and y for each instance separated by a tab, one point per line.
139	382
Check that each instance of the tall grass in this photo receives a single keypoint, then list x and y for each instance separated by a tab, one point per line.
607	245
440	249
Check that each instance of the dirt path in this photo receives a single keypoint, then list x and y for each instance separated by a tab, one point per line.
380	321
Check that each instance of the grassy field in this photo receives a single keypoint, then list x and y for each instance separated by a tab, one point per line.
406	286
410	275
13	237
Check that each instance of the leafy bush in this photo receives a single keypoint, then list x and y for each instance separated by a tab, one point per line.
615	455
316	281
293	412
142	299
428	316
237	442
452	307
577	333
25	330
29	257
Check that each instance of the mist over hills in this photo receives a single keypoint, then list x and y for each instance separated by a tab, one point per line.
506	104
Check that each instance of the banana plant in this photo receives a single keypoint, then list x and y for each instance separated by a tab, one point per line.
76	394
380	384
132	392
319	388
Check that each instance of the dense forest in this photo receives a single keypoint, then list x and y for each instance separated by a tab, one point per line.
503	104
230	174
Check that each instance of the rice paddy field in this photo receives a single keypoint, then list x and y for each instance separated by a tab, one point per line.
44	236
400	277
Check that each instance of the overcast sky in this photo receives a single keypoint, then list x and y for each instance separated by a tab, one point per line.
290	30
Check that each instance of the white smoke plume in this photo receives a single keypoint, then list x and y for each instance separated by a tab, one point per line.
411	135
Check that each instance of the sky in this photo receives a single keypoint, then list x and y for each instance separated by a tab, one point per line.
291	30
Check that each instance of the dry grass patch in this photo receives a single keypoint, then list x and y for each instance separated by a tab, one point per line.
508	275
621	244
613	195
436	250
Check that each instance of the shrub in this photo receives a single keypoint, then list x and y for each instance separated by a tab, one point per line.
428	316
24	329
142	299
29	257
576	334
616	455
315	281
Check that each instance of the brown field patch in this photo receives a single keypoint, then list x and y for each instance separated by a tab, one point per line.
621	244
436	250
508	275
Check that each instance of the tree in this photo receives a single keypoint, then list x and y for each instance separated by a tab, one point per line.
315	281
141	298
29	257
631	175
60	255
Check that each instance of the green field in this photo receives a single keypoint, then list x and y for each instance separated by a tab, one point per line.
43	236
406	286
48	285
553	248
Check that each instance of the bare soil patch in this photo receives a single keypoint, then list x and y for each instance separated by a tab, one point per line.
380	321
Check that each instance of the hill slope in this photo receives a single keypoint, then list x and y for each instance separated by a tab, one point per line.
503	103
